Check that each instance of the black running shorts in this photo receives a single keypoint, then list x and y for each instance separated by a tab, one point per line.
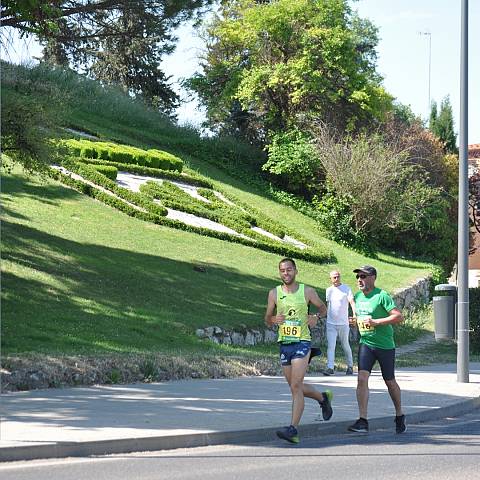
367	356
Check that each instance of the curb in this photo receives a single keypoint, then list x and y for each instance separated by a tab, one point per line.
238	437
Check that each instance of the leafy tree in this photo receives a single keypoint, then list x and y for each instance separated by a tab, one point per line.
31	107
116	41
442	125
285	60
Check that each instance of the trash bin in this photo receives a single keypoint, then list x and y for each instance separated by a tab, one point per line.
445	311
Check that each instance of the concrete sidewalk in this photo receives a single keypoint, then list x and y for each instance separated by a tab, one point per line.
125	418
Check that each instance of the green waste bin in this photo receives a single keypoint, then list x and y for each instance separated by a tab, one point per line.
445	311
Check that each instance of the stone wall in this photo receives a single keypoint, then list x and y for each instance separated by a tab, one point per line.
405	298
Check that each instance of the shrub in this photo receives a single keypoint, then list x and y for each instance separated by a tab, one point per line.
124	154
474	319
335	215
108	171
390	201
165	160
293	158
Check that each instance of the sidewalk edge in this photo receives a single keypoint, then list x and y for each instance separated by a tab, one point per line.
239	437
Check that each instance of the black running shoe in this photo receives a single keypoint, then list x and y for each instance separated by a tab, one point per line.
400	425
290	434
361	425
314	352
326	405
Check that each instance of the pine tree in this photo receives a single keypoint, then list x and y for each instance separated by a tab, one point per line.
442	125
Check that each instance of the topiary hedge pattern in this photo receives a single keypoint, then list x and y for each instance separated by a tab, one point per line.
265	245
89	173
191	178
123	154
172	196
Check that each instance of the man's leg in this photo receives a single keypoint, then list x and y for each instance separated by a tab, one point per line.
343	333
362	392
331	341
295	374
395	395
387	365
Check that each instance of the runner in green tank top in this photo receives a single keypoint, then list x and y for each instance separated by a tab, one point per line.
287	308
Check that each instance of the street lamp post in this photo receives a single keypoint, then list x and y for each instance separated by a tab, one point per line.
463	217
429	68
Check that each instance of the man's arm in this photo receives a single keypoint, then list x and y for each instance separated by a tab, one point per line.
270	318
314	299
394	316
351	301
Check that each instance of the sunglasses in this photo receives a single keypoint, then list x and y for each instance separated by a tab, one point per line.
362	276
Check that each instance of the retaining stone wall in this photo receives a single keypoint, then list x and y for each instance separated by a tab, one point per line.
405	298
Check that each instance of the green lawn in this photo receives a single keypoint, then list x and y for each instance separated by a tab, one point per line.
80	277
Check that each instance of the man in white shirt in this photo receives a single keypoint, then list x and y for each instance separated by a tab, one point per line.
338	298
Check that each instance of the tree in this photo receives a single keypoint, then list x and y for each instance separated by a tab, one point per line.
285	61
381	198
474	200
116	41
31	107
433	116
442	125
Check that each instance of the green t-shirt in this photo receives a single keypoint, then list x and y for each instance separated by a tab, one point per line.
377	304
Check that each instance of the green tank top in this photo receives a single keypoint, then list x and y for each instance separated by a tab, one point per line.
295	308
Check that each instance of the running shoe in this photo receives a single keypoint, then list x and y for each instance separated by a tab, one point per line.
314	352
290	434
400	424
326	405
349	371
361	425
329	371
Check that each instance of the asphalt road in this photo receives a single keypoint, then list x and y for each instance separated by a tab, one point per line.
442	450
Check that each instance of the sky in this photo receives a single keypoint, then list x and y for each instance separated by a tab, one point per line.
403	56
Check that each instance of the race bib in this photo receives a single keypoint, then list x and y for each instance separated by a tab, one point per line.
290	330
362	327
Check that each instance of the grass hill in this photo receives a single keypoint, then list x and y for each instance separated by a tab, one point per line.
81	278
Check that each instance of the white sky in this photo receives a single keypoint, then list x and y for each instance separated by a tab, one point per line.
403	55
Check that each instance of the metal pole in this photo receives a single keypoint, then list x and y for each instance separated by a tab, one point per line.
429	69
463	218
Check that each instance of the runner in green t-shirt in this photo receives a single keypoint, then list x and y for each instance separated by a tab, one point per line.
376	313
287	308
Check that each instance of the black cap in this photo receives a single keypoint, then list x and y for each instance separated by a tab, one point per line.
367	269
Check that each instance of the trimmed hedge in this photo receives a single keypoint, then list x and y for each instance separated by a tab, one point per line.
107	170
89	173
174	197
151	216
124	154
188	178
